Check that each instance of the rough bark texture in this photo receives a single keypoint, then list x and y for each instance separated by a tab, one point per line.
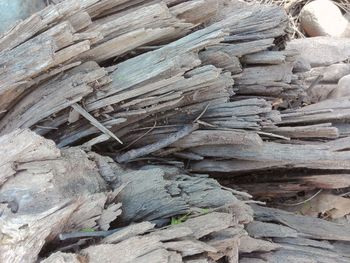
64	192
172	91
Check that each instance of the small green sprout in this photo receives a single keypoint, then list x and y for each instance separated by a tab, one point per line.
87	230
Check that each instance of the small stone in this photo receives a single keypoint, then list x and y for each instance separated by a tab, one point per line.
301	65
343	89
321	51
324	18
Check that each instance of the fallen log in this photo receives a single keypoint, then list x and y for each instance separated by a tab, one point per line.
177	81
222	78
207	220
67	191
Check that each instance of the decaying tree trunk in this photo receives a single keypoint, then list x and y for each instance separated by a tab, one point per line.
76	197
69	190
180	75
171	91
45	191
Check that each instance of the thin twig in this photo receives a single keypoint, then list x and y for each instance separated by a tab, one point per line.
81	234
151	148
305	201
99	139
204	123
158	127
202	113
140	137
95	122
269	134
254	202
46	127
236	192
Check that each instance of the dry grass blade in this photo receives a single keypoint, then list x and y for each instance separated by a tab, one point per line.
95	122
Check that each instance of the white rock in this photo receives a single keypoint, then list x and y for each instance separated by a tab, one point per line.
343	89
324	18
321	51
330	74
347	16
301	65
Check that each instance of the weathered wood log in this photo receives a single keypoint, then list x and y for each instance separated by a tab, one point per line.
310	156
198	237
324	130
66	30
53	96
221	81
175	88
154	24
192	75
67	191
301	238
59	191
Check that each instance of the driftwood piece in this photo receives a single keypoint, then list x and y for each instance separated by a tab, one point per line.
59	191
154	247
324	130
176	195
217	137
148	87
67	194
148	98
311	156
52	97
307	226
39	54
186	130
156	88
313	243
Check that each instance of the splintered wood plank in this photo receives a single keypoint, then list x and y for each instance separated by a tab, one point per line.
52	97
37	22
306	226
325	130
189	248
129	250
262	229
195	12
263	74
249	245
95	122
217	137
135	153
311	156
61	204
35	56
206	224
